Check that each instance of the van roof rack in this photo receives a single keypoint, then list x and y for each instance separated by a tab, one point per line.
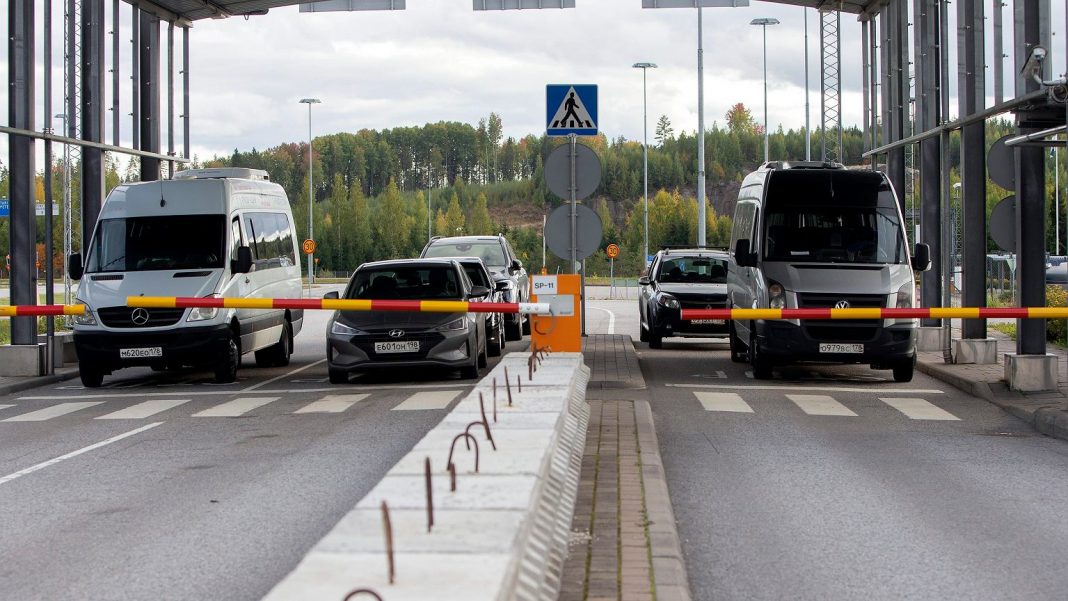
224	173
802	165
670	247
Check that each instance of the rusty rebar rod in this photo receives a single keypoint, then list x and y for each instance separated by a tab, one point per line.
508	385
429	498
389	541
450	465
360	591
494	400
485	422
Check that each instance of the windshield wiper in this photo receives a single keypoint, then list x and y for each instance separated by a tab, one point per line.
112	262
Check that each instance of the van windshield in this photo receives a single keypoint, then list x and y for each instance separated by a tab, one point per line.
158	243
837	234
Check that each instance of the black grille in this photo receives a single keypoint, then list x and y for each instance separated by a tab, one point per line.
122	317
427	341
839	330
842	333
808	300
718	303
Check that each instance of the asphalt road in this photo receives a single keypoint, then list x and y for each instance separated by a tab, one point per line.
167	486
835	482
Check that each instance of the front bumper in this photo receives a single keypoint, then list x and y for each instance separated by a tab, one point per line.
436	349
181	346
665	322
786	342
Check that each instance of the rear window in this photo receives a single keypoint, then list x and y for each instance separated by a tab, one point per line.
490	252
408	283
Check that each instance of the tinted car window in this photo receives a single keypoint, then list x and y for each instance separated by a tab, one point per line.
477	275
696	270
490	252
410	283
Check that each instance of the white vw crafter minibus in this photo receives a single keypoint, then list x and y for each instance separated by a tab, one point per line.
206	233
816	235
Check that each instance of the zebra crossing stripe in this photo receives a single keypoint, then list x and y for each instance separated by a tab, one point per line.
5	406
430	399
236	407
50	412
723	401
820	404
334	403
145	409
916	408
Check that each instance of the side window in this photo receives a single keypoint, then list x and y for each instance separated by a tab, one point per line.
235	237
744	219
285	240
271	239
253	236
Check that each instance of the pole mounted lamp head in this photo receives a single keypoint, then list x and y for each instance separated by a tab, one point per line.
1032	67
310	101
644	65
765	21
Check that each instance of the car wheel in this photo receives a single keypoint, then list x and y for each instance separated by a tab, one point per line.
903	371
655	340
91	375
278	353
738	351
226	369
761	365
471	372
338	376
482	360
513	331
526	325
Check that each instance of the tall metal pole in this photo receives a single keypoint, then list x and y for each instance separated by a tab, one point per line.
808	129
429	192
50	331
764	28
645	163
700	134
1056	203
571	139
311	202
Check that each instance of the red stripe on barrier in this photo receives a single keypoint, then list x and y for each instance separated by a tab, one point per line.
806	313
706	314
395	305
493	307
38	310
185	302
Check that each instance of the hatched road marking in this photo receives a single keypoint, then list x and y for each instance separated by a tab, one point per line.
145	409
723	401
236	407
432	399
919	409
49	412
819	404
334	403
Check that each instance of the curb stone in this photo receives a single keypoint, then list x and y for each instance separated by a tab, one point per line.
35	381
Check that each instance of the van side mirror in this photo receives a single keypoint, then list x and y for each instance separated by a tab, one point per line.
643	281
332	295
243	262
75	267
921	261
742	256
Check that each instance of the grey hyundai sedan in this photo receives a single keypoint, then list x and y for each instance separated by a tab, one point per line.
365	340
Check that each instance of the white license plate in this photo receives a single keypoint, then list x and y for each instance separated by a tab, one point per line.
707	322
841	348
138	353
403	346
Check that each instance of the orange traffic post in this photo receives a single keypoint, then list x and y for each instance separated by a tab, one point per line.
562	330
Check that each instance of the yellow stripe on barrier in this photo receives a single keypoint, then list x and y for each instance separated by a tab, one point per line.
756	313
954	312
1048	312
151	302
346	304
857	313
248	303
444	306
6	311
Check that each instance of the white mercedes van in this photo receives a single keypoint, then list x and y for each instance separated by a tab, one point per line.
206	233
817	235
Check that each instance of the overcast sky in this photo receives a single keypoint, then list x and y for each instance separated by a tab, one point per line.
439	60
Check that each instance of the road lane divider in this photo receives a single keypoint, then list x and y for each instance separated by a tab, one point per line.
503	533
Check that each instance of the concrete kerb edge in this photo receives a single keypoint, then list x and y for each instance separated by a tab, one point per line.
35	381
669	565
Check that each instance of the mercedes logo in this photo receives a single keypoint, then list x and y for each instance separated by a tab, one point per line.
139	316
708	306
842	304
396	333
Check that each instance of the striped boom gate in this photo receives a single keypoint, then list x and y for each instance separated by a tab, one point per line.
329	304
876	313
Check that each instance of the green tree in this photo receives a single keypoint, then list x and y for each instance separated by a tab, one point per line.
664	132
391	224
454	217
479	223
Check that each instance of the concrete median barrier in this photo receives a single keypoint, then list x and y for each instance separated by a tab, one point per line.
503	534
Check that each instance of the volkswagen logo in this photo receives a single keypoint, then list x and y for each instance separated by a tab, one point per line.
139	316
396	333
842	304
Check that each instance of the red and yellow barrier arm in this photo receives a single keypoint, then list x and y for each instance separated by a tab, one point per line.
333	304
40	310
876	313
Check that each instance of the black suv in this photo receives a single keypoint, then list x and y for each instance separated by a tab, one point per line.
497	254
691	278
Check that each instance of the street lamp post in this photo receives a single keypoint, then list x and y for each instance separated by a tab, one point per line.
311	191
645	149
67	241
764	22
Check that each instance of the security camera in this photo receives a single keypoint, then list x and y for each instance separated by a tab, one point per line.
1033	65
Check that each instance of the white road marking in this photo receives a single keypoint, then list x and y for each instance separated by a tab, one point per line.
611	319
871	390
334	403
91	447
145	409
281	377
199	393
919	409
236	407
723	401
50	412
818	404
5	406
431	399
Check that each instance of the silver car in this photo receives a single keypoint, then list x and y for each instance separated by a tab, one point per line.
366	340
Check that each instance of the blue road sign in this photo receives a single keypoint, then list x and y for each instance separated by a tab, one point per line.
571	109
5	207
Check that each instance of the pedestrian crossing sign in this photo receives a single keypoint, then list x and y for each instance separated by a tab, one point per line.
570	109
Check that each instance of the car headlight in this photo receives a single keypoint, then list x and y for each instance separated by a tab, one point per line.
668	301
454	325
85	319
776	295
343	330
203	313
906	295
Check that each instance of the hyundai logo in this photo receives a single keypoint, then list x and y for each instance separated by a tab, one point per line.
139	316
842	304
396	333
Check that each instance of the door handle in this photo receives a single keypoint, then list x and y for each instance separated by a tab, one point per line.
247	280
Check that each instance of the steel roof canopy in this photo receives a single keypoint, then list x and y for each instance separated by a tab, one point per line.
184	12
